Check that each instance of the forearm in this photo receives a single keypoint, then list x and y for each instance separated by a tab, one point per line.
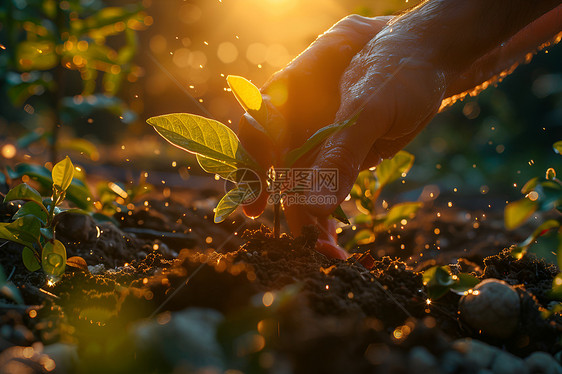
453	34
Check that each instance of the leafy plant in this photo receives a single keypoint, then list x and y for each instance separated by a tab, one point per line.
438	280
43	41
541	195
34	223
219	151
366	191
8	289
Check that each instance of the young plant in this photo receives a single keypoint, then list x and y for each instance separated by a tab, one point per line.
116	197
219	151
366	191
541	195
438	280
34	223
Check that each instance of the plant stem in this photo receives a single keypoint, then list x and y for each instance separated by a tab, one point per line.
51	210
276	219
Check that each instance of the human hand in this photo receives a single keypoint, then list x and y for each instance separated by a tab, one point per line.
306	94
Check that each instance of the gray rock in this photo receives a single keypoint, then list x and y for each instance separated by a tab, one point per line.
543	363
421	361
506	363
477	353
492	307
186	338
484	371
451	362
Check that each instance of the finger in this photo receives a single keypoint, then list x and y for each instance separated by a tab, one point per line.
392	106
299	216
327	243
313	77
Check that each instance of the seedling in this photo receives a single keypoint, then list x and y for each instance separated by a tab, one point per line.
35	222
366	191
438	280
219	151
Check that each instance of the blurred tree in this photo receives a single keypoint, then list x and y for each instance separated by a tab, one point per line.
46	46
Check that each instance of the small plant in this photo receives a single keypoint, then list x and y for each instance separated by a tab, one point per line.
219	151
366	192
541	195
116	197
438	280
34	224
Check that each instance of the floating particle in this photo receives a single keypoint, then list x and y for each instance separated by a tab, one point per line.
267	299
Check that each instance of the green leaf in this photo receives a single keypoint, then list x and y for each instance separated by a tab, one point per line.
62	174
249	96
539	231
530	185
340	215
96	24
47	233
549	195
401	211
24	192
556	291
557	147
204	136
464	283
365	236
24	230
226	171
36	55
78	193
438	281
83	146
390	170
231	200
30	138
517	212
363	219
33	209
317	138
53	258
547	246
2	277
29	259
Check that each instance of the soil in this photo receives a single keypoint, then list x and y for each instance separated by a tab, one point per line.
168	291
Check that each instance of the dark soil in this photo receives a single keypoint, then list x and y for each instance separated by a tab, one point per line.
309	314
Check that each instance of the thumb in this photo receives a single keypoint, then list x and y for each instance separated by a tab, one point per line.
344	153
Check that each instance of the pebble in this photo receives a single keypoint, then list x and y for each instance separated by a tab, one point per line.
493	308
543	363
477	353
506	363
186	336
483	358
421	361
452	362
